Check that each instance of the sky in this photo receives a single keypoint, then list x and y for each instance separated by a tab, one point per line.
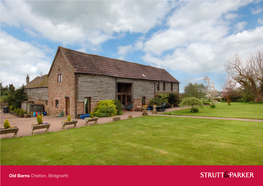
190	39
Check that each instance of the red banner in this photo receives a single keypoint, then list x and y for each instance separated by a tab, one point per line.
131	175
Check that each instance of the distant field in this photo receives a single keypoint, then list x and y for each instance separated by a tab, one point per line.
150	140
235	110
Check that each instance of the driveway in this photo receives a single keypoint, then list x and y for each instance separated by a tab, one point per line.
24	124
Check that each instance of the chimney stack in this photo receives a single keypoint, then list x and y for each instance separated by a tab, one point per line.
27	79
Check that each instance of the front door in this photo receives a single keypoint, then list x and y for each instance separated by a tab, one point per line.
87	105
143	101
67	106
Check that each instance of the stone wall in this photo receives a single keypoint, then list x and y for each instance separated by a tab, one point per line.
60	90
37	93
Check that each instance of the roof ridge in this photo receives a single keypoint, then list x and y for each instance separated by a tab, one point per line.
96	55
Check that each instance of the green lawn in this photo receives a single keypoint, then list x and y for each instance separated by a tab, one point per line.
235	110
150	140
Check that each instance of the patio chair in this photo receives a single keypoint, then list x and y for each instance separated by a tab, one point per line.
61	114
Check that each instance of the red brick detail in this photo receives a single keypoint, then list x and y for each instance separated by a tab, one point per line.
61	90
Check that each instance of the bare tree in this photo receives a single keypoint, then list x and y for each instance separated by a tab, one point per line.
249	74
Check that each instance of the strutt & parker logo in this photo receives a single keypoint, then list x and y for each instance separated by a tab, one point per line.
226	174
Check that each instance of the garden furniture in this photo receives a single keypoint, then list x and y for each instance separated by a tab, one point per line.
9	130
87	120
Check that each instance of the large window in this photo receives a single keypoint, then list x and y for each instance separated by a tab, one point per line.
163	86
172	87
157	85
59	78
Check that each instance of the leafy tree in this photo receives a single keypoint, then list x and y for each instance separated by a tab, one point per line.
191	101
11	95
195	90
15	97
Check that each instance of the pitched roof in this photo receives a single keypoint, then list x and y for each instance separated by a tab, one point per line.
84	63
38	82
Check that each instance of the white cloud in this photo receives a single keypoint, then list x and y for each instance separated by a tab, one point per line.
239	26
123	50
198	40
82	22
19	58
260	21
231	16
257	10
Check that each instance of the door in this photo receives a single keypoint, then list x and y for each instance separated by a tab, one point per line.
87	105
67	106
143	101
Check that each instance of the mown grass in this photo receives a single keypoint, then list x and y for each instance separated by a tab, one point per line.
151	140
235	110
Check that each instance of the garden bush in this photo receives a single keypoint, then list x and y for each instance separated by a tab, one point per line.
213	106
106	106
194	110
118	107
17	111
7	124
191	101
39	119
21	111
173	99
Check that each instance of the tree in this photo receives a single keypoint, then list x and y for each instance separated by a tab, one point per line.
15	97
249	74
210	90
195	90
229	89
191	101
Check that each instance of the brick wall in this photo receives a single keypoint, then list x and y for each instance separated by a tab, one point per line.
60	90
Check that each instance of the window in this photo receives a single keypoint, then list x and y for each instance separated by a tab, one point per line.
59	78
57	103
157	85
163	86
172	87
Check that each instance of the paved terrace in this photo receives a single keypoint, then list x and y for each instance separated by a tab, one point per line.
24	124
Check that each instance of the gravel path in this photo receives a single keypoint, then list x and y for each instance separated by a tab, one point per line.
24	124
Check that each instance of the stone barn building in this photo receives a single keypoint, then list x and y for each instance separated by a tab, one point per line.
78	81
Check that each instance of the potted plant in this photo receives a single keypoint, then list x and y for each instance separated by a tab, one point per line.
69	121
40	124
21	113
17	112
144	112
26	115
8	128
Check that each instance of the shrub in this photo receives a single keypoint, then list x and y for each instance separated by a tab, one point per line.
17	111
191	101
156	101
103	115
173	99
39	119
7	124
91	114
194	110
213	106
106	106
11	107
118	107
21	111
69	118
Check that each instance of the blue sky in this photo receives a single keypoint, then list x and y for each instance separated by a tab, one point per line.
190	39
